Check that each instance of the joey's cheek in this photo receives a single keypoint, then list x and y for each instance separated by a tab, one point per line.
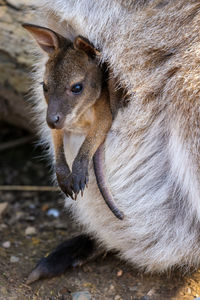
67	107
93	85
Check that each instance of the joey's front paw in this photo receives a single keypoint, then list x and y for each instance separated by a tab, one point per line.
80	177
65	183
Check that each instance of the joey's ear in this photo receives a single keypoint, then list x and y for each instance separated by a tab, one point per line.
46	38
81	43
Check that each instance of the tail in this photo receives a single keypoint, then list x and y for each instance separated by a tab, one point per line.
99	173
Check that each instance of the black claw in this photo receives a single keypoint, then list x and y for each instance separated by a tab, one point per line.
68	193
76	186
82	185
71	196
80	171
68	187
71	193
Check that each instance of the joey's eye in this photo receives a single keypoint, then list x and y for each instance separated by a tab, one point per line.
77	88
45	88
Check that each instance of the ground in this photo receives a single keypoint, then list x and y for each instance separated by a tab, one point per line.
104	278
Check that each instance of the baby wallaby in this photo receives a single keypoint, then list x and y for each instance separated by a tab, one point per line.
76	90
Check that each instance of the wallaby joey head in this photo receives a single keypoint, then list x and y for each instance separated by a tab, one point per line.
72	80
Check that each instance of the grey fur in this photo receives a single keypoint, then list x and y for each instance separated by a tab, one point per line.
152	150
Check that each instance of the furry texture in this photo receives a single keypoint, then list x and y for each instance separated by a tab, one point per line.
152	150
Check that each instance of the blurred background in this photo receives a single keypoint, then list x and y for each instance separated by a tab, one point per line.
15	63
33	221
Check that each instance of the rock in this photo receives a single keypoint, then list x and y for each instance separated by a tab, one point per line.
3	227
6	244
3	208
151	292
119	273
16	217
53	212
14	259
32	206
30	230
19	215
45	207
3	291
30	218
64	291
111	290
81	296
118	297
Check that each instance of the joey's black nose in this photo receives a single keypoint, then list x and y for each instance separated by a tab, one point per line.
54	121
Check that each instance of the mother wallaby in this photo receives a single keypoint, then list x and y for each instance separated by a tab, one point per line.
152	150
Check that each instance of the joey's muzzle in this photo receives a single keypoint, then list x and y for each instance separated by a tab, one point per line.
55	120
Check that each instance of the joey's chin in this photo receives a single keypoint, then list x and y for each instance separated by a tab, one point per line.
60	125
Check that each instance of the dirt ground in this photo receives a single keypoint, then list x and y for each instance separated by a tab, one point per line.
105	278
